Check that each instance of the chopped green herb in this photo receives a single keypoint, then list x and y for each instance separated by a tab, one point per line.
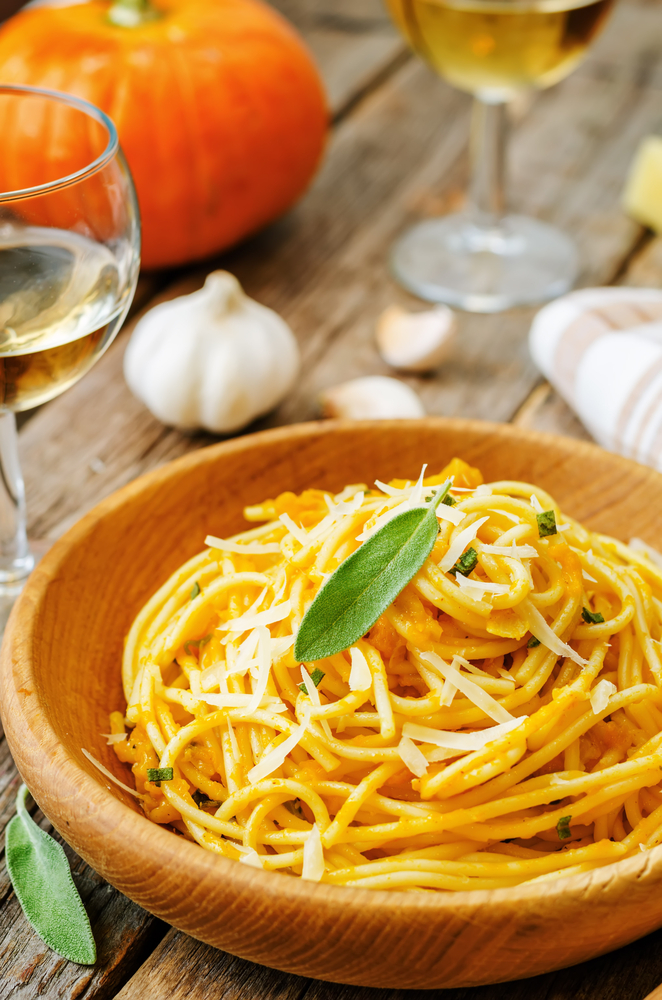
159	774
592	617
201	800
196	644
546	523
466	563
563	827
449	500
533	642
316	678
195	590
363	586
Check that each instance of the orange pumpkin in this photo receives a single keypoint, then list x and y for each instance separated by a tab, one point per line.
218	105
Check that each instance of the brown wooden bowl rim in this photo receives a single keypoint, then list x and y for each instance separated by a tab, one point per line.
76	784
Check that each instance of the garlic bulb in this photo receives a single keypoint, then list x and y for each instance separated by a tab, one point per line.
415	342
213	359
375	397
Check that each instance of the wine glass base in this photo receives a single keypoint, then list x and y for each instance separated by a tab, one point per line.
485	269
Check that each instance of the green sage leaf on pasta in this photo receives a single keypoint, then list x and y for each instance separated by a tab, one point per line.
363	586
41	877
592	617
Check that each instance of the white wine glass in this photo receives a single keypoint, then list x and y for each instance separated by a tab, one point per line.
69	261
484	259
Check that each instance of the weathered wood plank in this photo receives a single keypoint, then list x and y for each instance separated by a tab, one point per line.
181	968
353	44
124	933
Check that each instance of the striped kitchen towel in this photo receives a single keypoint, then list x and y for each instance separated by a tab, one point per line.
601	348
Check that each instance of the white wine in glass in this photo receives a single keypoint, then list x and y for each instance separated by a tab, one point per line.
485	260
69	260
60	309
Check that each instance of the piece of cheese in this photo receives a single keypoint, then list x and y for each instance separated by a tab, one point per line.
642	197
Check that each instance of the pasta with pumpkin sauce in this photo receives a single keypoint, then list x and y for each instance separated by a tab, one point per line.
500	723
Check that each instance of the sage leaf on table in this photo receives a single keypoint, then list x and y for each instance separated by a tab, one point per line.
41	877
363	586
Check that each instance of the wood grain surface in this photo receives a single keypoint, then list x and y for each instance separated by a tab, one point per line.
324	268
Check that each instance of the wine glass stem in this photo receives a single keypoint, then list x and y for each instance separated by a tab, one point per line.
16	560
488	162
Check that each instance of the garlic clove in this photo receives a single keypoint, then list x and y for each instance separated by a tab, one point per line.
416	342
214	359
374	397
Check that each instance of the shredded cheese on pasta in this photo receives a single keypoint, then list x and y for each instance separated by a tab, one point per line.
493	727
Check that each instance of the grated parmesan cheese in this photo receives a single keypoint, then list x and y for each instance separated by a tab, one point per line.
535	503
299	533
541	630
411	756
601	694
247	548
464	583
273	760
313	856
466	742
264	668
469	689
222	700
249	856
109	774
514	550
113	738
447	693
412	497
452	514
314	696
459	544
245	622
360	677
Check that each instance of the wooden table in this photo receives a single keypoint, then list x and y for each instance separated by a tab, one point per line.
398	152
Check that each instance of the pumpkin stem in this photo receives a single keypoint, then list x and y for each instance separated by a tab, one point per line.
131	13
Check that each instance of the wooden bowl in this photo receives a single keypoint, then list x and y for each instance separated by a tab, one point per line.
60	676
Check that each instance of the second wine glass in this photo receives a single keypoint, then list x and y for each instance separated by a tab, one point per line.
484	259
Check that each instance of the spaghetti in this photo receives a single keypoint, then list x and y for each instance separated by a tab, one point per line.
500	723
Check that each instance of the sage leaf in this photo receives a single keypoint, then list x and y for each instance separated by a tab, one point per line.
363	586
41	877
